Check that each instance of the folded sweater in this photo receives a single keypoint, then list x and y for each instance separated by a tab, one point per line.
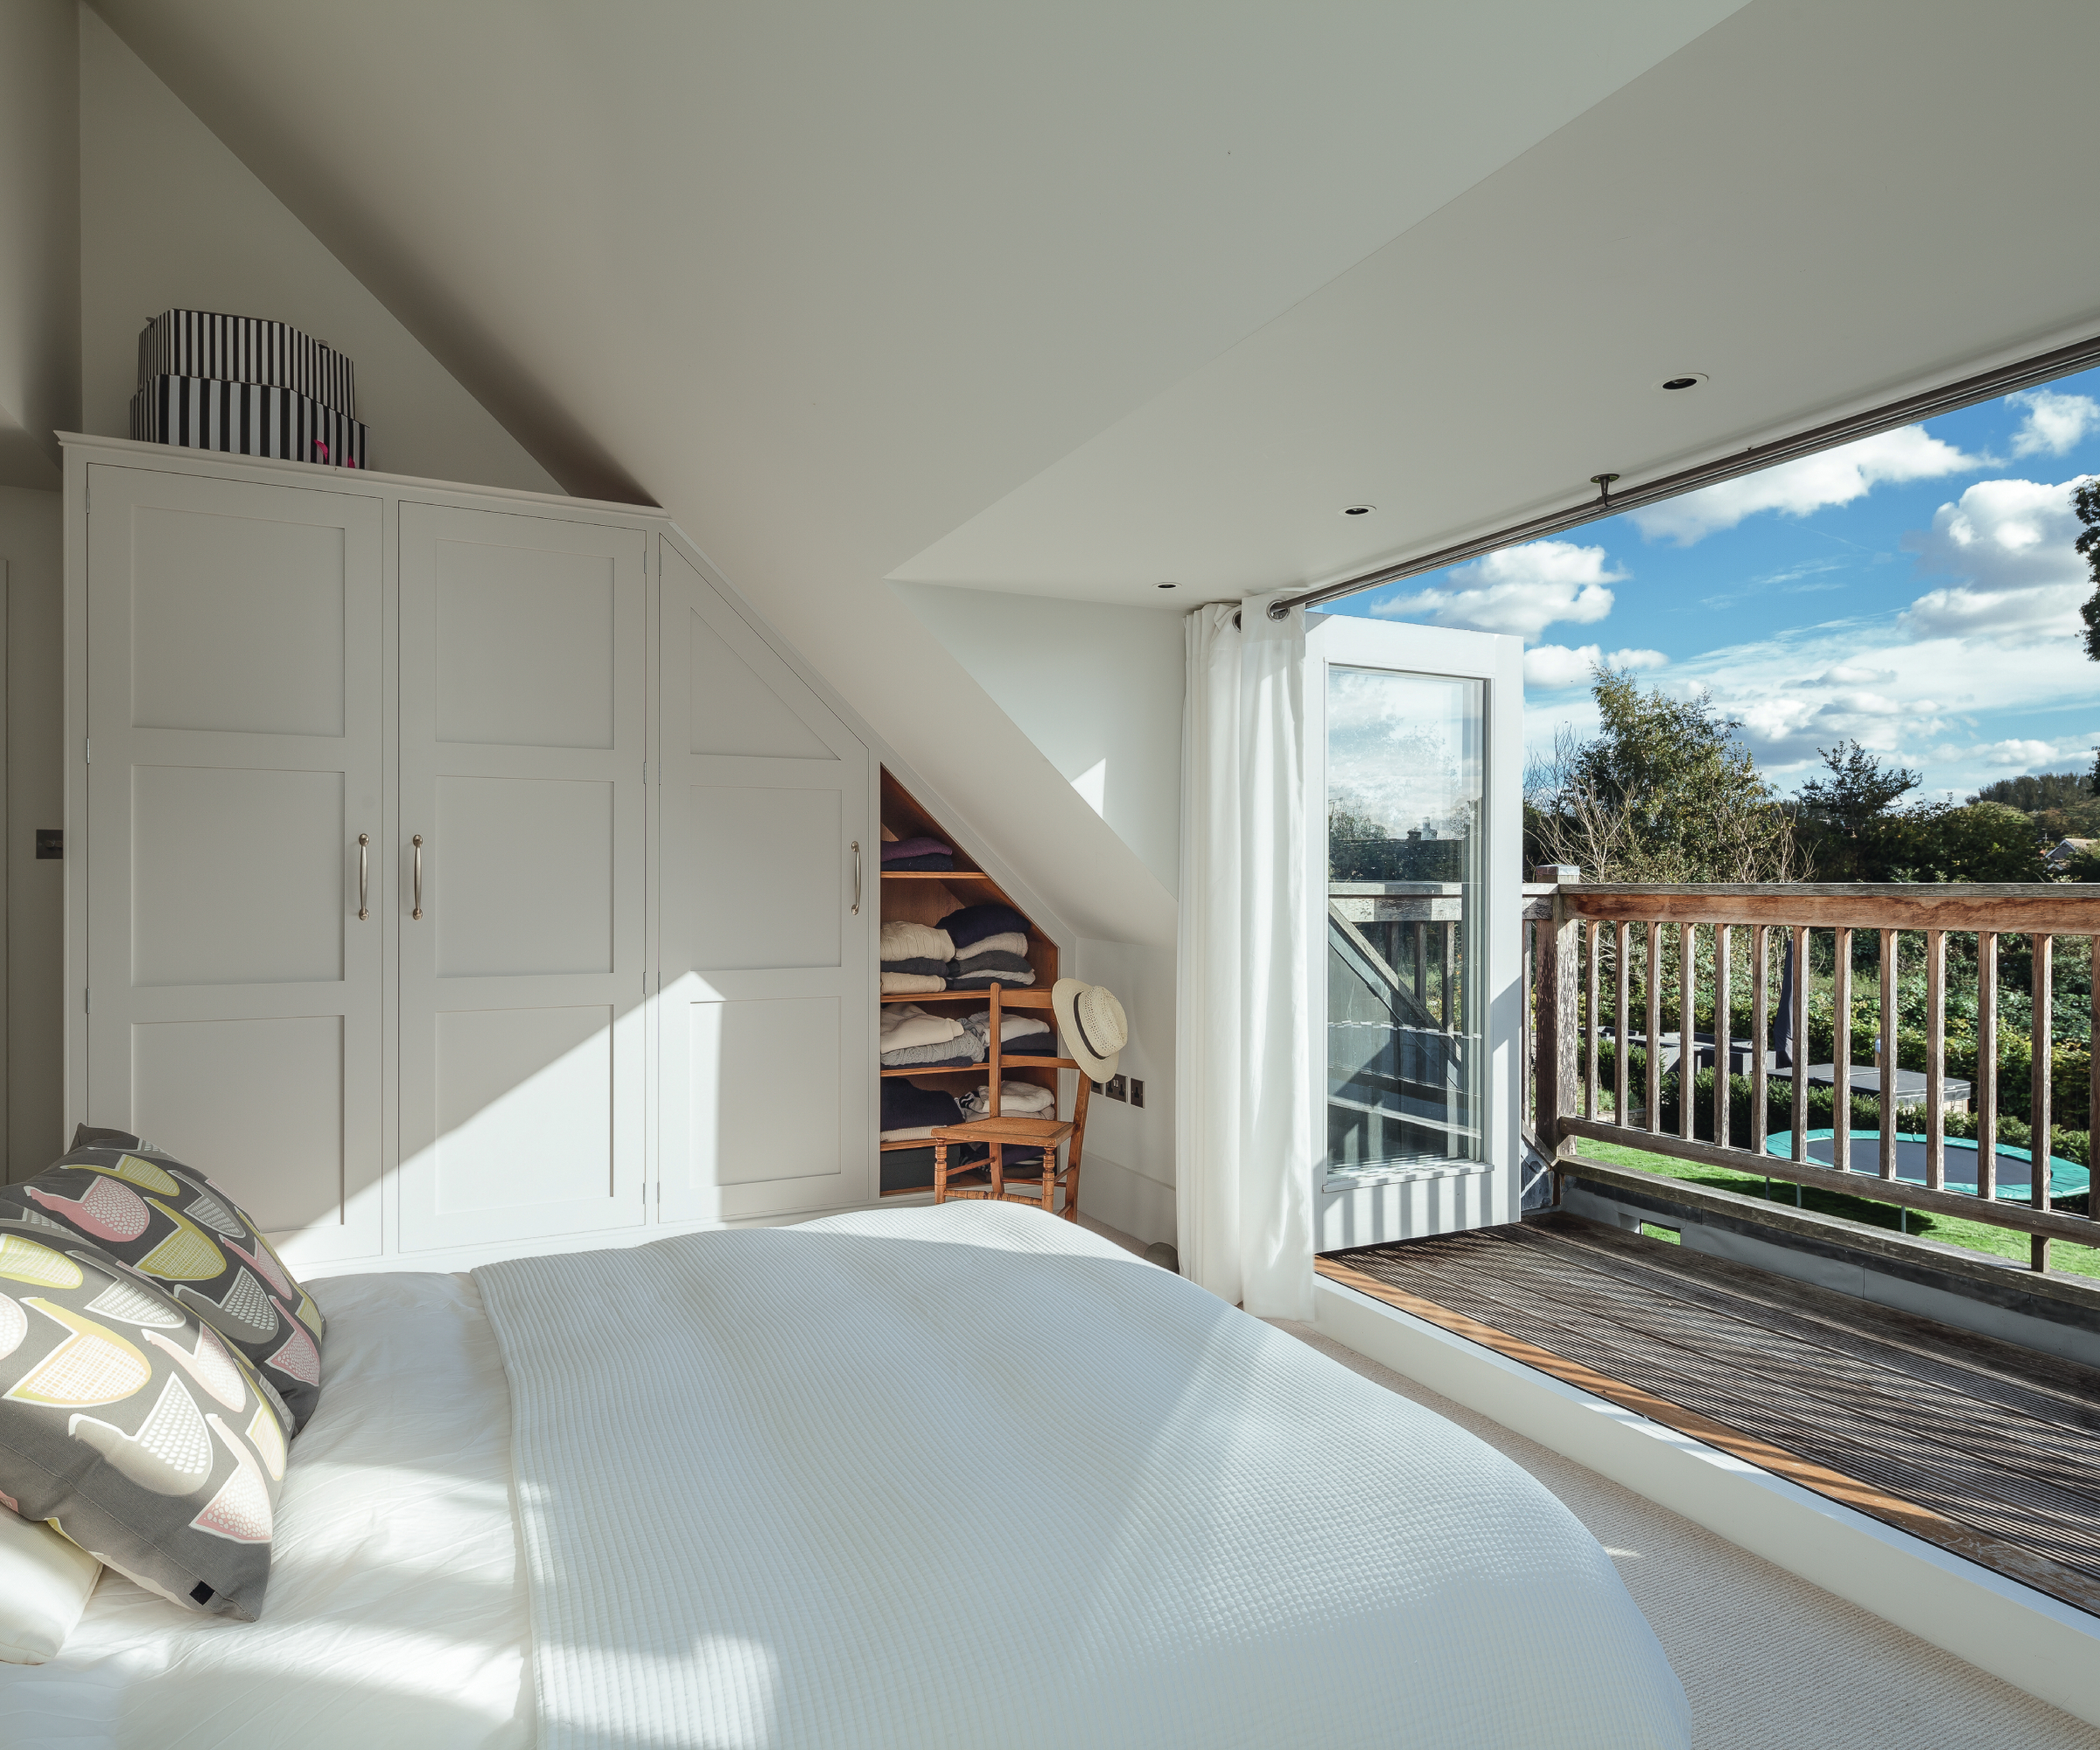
996	961
1007	941
928	969
956	1054
898	850
901	983
905	940
903	1025
973	923
1016	1100
901	865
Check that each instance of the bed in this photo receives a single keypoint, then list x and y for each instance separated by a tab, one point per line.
965	1475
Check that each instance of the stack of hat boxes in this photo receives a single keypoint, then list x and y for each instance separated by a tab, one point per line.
241	384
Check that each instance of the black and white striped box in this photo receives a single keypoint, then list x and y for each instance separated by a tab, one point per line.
246	349
245	419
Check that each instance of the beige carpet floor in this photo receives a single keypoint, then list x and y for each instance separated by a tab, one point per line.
1769	1662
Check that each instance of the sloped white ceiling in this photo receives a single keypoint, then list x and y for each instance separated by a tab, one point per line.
1072	299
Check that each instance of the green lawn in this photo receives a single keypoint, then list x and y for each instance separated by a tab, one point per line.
1975	1237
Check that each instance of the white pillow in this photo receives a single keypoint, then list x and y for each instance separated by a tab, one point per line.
45	1581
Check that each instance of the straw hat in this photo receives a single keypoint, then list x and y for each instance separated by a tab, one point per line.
1093	1024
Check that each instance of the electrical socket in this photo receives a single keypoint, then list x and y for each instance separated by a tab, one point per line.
1136	1092
1119	1087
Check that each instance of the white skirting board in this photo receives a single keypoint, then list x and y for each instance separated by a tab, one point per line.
2032	1641
1126	1199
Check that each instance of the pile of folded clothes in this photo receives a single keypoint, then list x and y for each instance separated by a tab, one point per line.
899	854
1027	1033
910	1112
989	944
913	1038
915	958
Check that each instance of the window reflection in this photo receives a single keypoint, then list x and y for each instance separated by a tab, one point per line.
1404	774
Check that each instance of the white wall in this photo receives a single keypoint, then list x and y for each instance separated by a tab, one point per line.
169	216
31	558
39	237
1097	688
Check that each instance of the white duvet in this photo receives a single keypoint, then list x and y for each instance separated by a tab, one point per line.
967	1476
395	1618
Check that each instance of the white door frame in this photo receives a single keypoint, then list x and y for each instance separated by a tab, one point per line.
1359	1209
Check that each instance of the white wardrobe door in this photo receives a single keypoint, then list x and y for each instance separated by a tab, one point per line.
234	708
768	976
524	711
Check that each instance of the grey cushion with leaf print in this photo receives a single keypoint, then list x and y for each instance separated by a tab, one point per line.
129	1425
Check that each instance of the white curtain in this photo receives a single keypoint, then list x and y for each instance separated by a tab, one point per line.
1244	1117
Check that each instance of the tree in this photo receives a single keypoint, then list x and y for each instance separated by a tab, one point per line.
1664	793
1859	789
1940	841
2085	499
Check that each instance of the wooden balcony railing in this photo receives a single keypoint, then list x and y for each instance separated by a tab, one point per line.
1601	962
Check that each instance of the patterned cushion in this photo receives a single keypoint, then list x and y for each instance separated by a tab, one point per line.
127	1425
168	1221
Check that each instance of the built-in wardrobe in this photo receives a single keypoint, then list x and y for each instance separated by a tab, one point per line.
451	869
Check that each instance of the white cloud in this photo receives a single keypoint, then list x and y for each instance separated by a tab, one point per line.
1553	666
2054	422
1521	589
1835	477
2011	543
2022	754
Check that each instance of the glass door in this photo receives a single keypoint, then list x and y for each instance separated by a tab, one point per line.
1418	734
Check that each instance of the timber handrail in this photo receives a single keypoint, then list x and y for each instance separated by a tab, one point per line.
1601	960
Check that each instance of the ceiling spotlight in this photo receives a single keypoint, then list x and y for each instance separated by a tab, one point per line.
1165	586
1683	380
1360	510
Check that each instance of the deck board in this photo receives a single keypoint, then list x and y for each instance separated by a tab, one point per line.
1978	1446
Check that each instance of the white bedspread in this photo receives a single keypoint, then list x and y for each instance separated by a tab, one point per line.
967	1476
395	1616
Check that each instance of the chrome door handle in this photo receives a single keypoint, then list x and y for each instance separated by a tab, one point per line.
856	877
364	876
418	913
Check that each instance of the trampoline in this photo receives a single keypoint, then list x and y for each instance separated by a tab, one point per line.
2015	1165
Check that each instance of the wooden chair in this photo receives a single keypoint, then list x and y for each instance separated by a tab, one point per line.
1042	1136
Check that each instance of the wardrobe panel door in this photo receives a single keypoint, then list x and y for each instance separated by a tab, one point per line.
768	976
234	705
523	713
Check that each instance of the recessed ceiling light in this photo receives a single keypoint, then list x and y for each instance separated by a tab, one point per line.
1166	586
1360	510
1683	380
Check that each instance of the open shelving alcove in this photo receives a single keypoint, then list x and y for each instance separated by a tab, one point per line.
926	896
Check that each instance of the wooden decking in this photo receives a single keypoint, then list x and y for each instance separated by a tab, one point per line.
1986	1449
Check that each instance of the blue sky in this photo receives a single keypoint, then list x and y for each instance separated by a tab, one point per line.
1917	590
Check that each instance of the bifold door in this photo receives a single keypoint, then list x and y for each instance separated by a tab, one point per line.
517	875
1415	756
770	873
233	801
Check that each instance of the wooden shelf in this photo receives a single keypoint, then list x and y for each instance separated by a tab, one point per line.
976	1068
934	875
1010	997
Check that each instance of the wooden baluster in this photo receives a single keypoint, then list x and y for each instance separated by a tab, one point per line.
1841	1057
1888	1053
1688	957
1760	1030
1553	1076
1448	990
2038	1149
1801	1042
1655	1029
1936	1059
1724	1040
997	1159
1985	1092
1590	1026
1623	1089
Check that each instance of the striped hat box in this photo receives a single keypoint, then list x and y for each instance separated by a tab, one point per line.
246	419
201	343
